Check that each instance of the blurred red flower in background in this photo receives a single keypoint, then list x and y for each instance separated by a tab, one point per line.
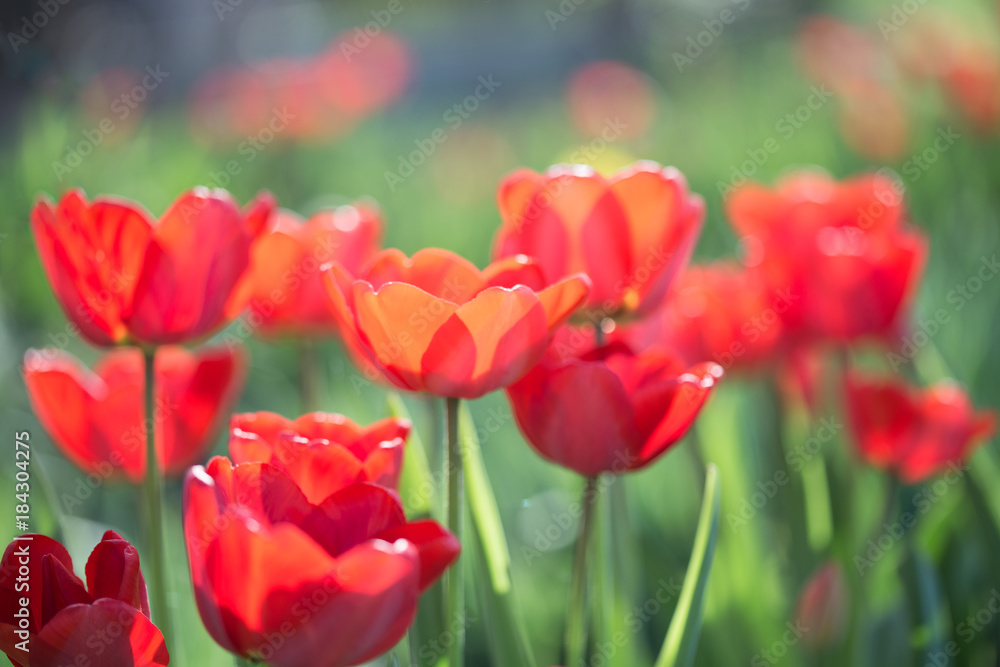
96	418
631	233
123	277
717	312
913	432
605	92
321	452
285	284
259	551
436	323
873	115
321	97
71	623
609	409
840	250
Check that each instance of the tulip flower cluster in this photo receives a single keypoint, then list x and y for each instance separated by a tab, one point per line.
606	343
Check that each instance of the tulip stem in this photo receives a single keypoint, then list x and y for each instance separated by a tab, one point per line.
576	619
455	597
154	502
309	372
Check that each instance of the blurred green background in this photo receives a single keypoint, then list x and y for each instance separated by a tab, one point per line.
703	118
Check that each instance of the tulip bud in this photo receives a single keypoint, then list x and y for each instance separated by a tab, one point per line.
822	606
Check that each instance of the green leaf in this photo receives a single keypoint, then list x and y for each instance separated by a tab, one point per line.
507	639
416	485
681	642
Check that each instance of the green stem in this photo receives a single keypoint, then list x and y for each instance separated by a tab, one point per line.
154	505
576	618
309	375
454	586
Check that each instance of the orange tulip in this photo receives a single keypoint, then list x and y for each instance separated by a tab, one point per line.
436	323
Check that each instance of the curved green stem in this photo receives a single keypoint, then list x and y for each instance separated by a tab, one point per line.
154	505
454	586
576	616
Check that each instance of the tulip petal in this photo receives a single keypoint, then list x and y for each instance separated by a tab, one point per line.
92	254
39	547
548	404
367	606
438	548
60	390
248	563
200	250
113	572
318	467
107	632
688	396
195	392
487	344
396	325
353	515
562	298
442	273
60	588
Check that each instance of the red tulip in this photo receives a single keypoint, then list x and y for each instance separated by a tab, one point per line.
321	452
915	433
121	276
840	251
718	312
609	409
104	623
291	583
436	323
96	418
286	292
630	233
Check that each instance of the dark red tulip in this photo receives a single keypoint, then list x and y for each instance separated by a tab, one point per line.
840	251
104	623
122	276
294	584
630	233
609	409
96	418
716	312
915	433
322	452
285	283
436	323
